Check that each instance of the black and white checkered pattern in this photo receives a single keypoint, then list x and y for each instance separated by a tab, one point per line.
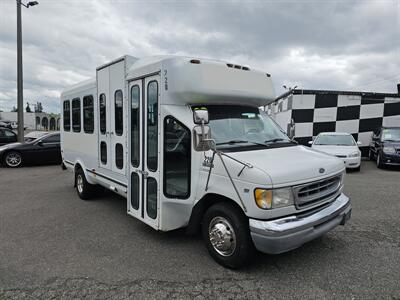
329	112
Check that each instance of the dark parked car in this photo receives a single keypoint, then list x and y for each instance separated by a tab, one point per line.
5	124
7	136
44	150
385	146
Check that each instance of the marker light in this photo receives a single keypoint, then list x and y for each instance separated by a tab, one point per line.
263	198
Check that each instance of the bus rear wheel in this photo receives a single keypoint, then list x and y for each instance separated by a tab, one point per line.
226	234
84	189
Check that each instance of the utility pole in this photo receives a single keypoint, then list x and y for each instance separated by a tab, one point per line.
20	87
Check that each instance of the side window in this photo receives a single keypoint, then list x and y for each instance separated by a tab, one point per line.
8	133
119	121
76	115
152	125
102	108
135	119
2	133
66	115
52	139
88	114
103	152
119	156
177	159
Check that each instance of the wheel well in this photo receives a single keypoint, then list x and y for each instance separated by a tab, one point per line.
201	207
76	168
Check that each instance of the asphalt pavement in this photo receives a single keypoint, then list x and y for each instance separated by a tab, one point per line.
54	245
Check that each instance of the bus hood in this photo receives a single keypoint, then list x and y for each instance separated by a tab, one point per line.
291	165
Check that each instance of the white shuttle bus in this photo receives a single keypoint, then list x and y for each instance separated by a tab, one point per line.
185	142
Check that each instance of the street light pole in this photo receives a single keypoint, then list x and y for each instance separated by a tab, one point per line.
20	88
20	97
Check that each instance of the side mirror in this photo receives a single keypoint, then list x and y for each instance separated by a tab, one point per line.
291	129
200	116
359	143
40	143
202	138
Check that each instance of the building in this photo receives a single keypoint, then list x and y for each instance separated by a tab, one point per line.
34	120
315	111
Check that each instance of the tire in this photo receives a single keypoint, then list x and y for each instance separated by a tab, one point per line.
371	155
13	159
379	163
227	220
84	189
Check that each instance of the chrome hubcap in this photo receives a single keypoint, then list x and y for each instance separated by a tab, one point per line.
13	159
222	236
79	184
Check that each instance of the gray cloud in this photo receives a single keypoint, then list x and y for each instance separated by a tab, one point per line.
313	44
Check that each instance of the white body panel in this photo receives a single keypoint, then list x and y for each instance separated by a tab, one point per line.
181	84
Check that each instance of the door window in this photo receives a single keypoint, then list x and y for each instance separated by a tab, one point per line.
52	139
88	114
102	107
135	190
135	146
152	125
119	122
66	116
9	133
119	156
103	152
151	206
177	159
76	115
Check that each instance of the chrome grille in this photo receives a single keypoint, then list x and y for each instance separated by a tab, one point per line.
317	191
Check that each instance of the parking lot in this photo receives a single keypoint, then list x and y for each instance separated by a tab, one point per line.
54	245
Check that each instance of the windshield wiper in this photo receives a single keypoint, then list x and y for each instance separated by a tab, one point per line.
275	140
233	142
390	140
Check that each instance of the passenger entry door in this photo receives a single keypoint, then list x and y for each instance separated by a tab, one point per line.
144	145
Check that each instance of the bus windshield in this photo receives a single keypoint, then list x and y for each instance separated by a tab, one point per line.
243	126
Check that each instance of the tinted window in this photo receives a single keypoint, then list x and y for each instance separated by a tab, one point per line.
119	156
76	115
119	122
52	139
102	107
66	116
103	152
135	118
177	159
135	190
9	133
151	206
152	122
88	114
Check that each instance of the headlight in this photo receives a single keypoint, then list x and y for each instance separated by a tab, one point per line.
354	155
267	199
389	150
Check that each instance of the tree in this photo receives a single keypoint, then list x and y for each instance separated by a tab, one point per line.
28	109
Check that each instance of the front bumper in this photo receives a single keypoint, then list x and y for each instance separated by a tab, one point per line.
291	232
352	162
390	159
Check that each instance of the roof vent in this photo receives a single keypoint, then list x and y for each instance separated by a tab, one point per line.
246	68
230	65
237	67
195	61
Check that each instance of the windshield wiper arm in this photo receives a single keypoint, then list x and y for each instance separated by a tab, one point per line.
241	142
275	140
232	142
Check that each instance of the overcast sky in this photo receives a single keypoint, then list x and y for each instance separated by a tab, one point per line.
343	45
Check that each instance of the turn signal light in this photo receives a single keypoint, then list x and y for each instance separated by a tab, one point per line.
263	198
